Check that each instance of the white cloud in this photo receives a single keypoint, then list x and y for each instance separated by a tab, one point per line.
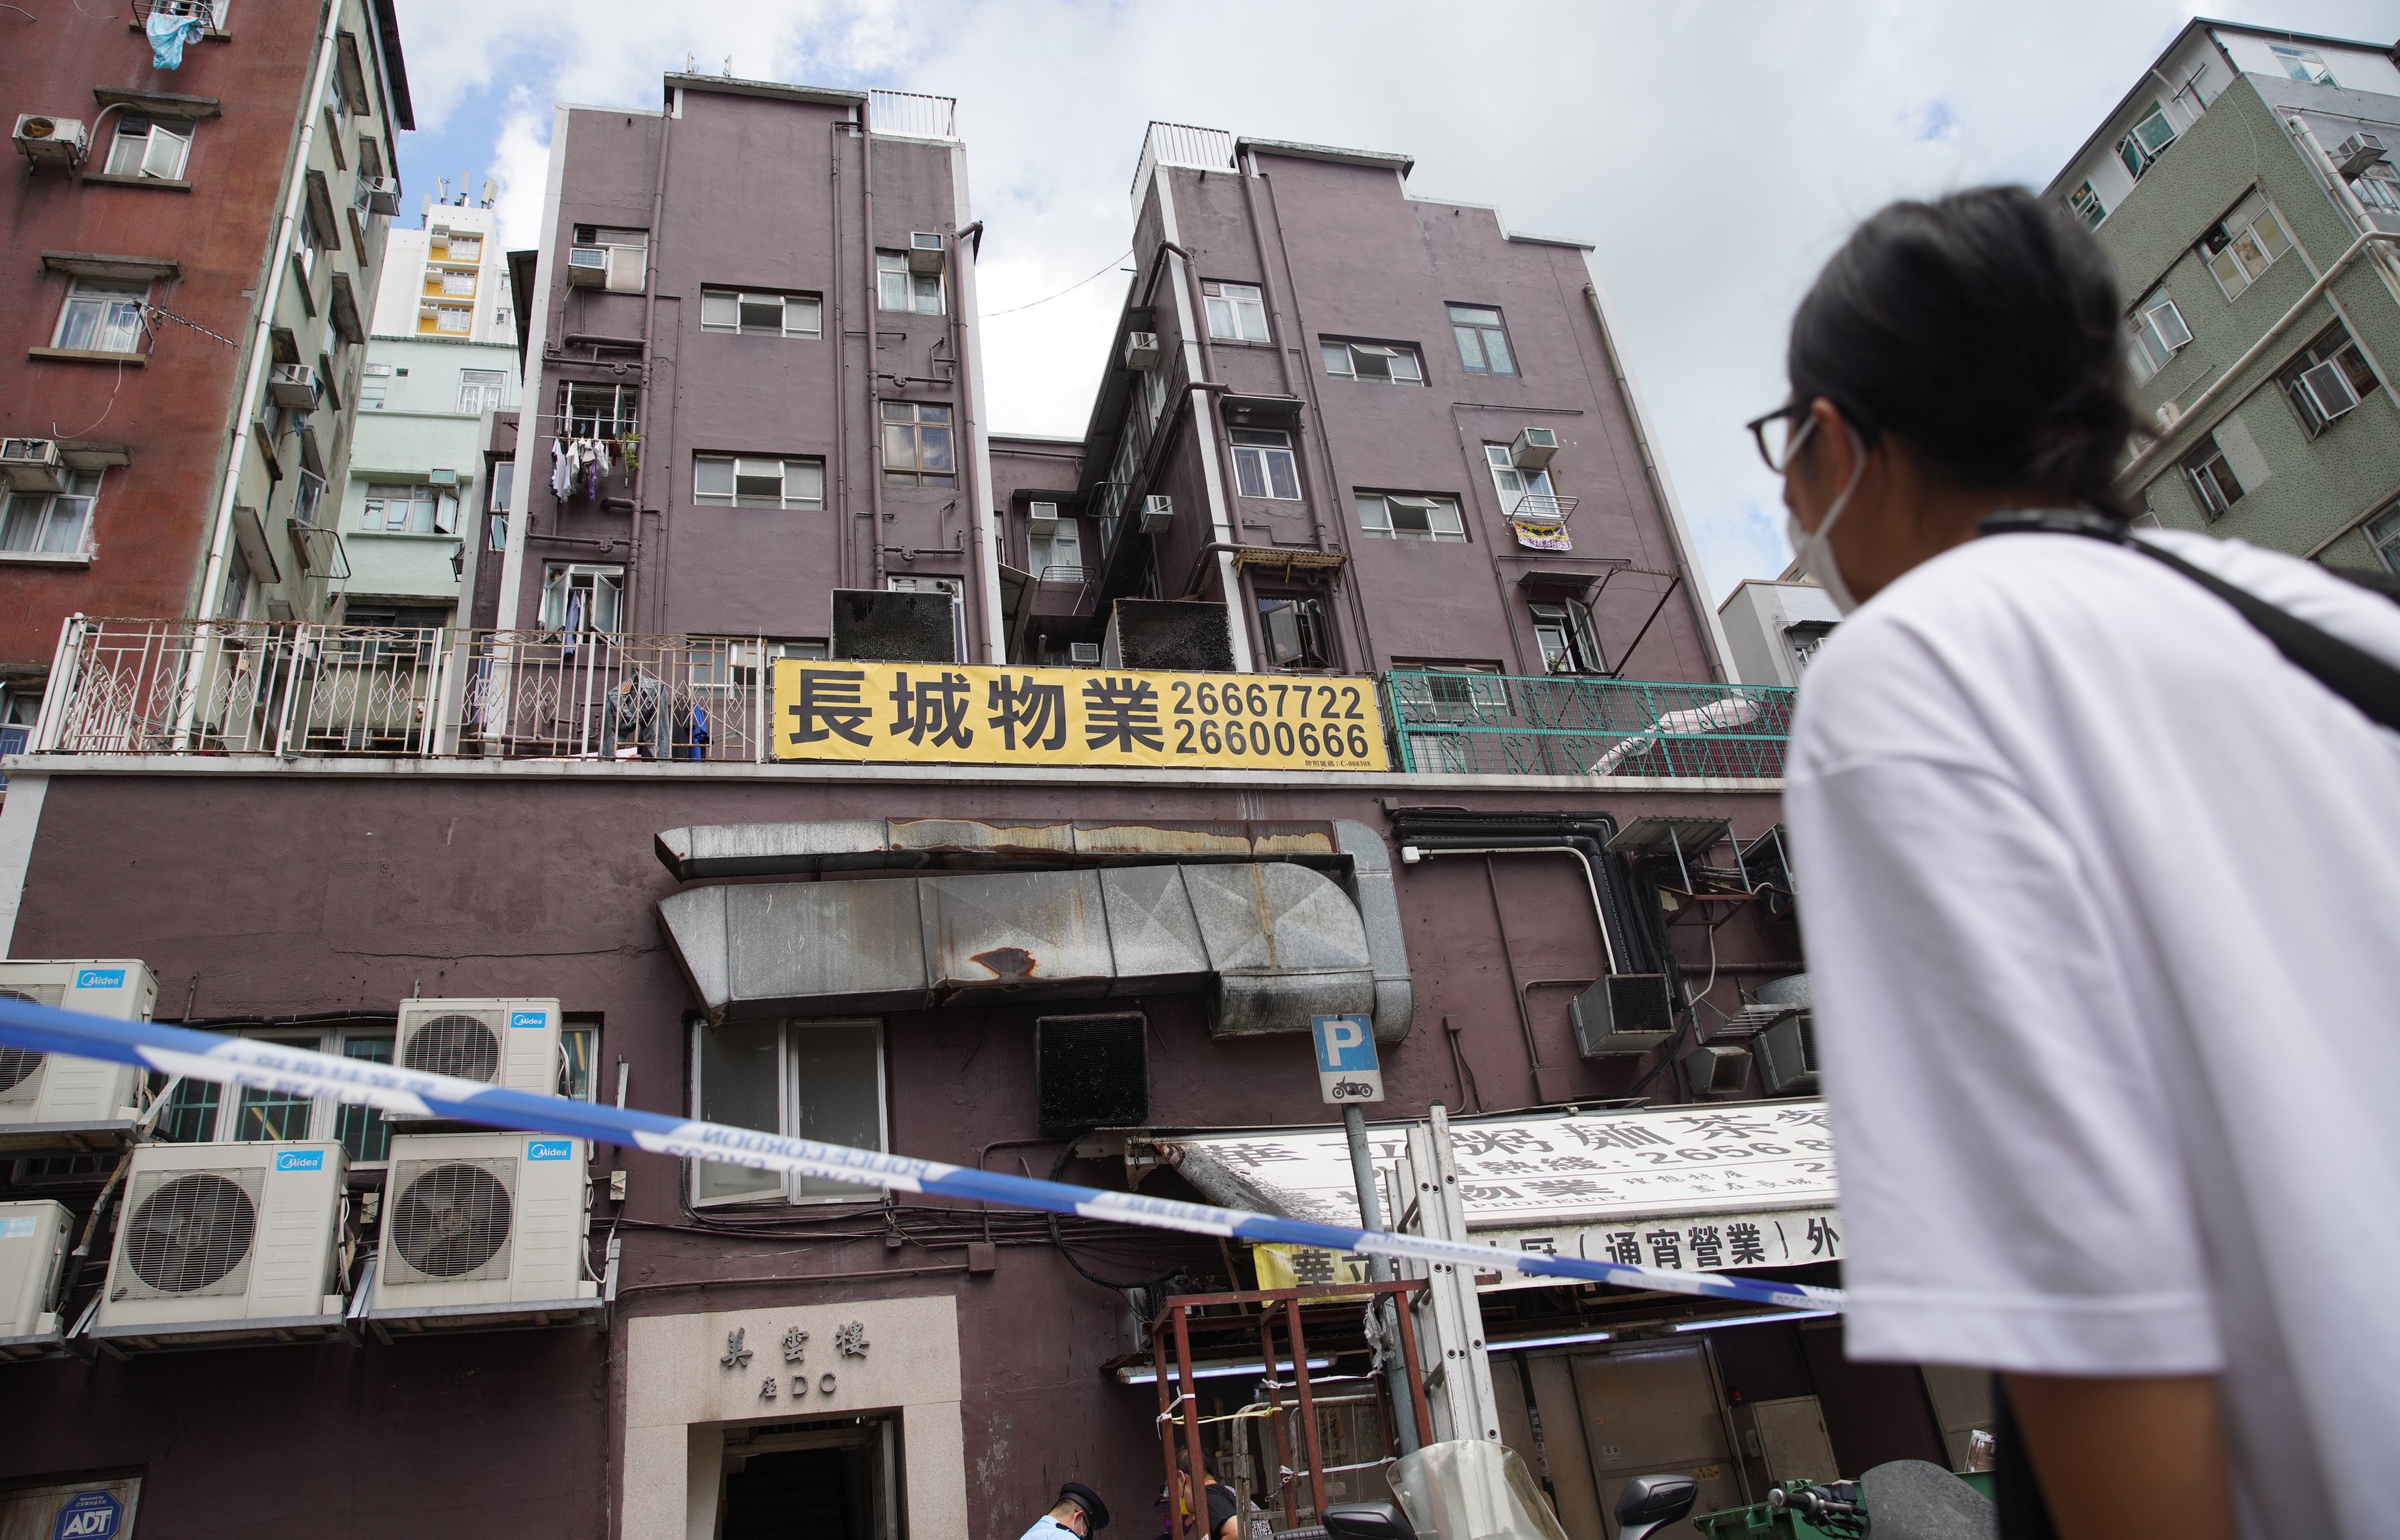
1715	154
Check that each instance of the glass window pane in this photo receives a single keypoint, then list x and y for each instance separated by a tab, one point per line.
803	318
1337	357
803	484
1404	366
65	529
272	1115
935	445
929	412
1374	516
575	1049
899	445
1470	348
1221	319
892	289
362	1129
1284	471
719	309
712	479
1249	477
929	292
837	1092
2269	231
191	1115
738	1086
1495	348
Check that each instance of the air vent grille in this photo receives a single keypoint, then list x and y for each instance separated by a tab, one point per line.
465	1047
189	1234
1091	1071
452	1221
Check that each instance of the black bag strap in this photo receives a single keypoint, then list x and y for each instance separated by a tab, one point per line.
2355	675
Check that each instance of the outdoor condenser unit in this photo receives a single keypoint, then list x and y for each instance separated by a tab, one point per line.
507	1043
480	1224
1533	448
226	1239
33	1240
40	137
1157	513
587	266
1091	1071
294	384
925	252
2358	152
31	465
1622	1014
54	1099
1142	350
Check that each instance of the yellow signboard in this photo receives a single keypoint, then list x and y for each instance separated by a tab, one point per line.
1281	1266
935	714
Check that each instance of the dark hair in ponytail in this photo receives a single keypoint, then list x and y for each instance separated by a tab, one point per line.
1985	330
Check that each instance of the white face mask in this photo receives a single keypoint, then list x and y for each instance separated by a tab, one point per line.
1815	548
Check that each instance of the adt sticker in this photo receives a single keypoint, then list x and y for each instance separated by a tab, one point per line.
18	1228
536	1019
1347	1069
89	1516
550	1149
300	1160
99	978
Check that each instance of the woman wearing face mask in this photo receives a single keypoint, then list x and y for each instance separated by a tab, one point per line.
2099	884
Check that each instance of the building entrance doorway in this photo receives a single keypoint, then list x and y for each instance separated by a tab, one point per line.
1589	1422
828	1479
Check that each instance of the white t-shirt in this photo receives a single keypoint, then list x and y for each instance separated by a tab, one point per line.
2100	895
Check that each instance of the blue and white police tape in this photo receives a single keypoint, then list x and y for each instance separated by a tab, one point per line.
391	1088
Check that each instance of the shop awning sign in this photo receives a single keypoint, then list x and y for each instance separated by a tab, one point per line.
972	714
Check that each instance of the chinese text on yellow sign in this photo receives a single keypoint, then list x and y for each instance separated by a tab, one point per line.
968	714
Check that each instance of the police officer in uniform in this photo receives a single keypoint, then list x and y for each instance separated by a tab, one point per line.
1078	1512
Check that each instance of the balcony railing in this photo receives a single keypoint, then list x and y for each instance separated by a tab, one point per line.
1495	724
912	115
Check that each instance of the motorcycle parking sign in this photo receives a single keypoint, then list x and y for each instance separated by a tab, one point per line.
1347	1069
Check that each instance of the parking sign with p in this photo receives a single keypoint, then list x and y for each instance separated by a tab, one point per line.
1348	1070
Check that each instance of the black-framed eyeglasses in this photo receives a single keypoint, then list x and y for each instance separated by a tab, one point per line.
1779	434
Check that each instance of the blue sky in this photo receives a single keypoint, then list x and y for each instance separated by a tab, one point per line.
1715	154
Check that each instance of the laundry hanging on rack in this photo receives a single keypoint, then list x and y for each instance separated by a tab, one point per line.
167	32
579	466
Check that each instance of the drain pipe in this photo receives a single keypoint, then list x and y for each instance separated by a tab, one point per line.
261	340
874	314
649	377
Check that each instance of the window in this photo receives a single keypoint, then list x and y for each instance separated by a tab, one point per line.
2085	205
2159	334
579	1045
502	476
576	597
459	285
308	497
2244	244
203	1112
1263	464
1803	638
2378	187
765	315
453	319
723	481
598	411
399	508
234	598
1564	629
2383	534
727	666
480	389
101	315
1455	692
898	288
2140	149
2212	481
1295	630
1055	551
408	631
1483	342
608	234
815	1080
1154	392
149	146
2326	379
457	247
1397	516
1515	485
374	383
917	444
1374	362
52	521
1238	312
2302	63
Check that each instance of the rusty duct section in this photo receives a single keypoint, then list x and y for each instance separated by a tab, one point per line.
1278	922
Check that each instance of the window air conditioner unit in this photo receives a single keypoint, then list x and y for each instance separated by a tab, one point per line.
1042	512
481	1225
924	252
227	1240
512	1043
33	1240
2352	155
587	266
1532	449
1157	513
31	465
627	267
1083	654
40	138
1787	1056
1142	350
377	195
53	1100
294	385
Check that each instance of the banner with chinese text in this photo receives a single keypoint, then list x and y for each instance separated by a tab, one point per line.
972	714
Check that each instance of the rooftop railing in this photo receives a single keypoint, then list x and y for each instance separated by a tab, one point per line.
1498	724
912	115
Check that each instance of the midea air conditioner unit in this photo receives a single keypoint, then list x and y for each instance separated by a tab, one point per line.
587	266
481	1226
56	1101
41	137
1087	654
627	265
1787	1056
506	1043
1533	448
1157	513
377	195
1142	350
924	252
31	465
33	1240
1041	512
227	1240
294	385
2358	152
